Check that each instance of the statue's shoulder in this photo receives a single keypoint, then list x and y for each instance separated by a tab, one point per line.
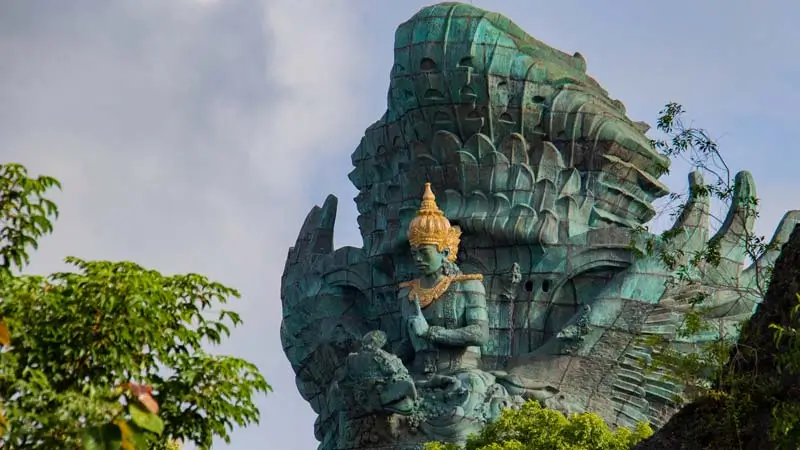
406	284
470	282
405	287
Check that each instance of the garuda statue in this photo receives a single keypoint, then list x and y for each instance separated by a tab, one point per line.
518	280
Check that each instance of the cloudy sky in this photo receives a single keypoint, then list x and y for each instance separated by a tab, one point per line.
194	135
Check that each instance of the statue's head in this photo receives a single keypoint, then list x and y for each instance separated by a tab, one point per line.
434	242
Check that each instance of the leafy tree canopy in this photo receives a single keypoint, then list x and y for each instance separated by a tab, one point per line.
109	355
533	427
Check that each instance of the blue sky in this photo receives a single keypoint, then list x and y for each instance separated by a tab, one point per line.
194	135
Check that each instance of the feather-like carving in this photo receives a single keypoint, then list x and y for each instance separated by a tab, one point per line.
493	172
521	184
732	235
452	204
753	277
515	148
500	211
570	184
520	223
445	144
468	171
548	227
477	208
545	196
549	163
479	145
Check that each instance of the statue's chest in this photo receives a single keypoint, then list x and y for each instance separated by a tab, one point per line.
447	311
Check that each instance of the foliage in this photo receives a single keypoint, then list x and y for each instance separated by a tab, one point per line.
707	372
25	214
704	369
786	426
533	427
109	355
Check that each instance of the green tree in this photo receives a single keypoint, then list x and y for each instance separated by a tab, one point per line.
109	355
532	427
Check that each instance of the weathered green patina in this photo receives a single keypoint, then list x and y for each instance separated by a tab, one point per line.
546	177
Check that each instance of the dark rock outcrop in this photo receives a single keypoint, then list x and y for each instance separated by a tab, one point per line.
743	420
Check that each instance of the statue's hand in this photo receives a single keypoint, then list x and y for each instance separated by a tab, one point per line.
417	324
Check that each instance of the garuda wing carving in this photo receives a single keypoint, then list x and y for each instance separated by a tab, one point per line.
596	358
324	295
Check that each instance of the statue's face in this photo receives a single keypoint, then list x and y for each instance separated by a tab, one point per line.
428	259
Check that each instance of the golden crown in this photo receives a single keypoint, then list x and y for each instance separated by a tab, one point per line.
431	227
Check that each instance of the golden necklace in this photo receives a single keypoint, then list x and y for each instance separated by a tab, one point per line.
429	295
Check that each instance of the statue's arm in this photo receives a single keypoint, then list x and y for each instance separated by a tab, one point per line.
404	348
476	332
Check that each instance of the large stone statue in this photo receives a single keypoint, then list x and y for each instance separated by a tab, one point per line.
540	178
444	324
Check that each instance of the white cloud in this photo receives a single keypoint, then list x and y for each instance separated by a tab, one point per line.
314	70
182	134
195	135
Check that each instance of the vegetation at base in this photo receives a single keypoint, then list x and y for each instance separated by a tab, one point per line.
532	427
109	355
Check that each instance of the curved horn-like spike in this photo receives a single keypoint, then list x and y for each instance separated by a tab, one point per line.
732	235
758	272
316	234
690	232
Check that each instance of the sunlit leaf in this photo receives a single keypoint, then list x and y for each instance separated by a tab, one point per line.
146	419
3	422
126	441
143	395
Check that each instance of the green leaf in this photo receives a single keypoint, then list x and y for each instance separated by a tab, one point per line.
145	419
134	437
107	437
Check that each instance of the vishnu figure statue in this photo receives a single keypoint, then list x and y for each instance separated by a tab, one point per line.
445	323
444	310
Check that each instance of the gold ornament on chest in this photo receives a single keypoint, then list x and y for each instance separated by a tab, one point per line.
429	295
